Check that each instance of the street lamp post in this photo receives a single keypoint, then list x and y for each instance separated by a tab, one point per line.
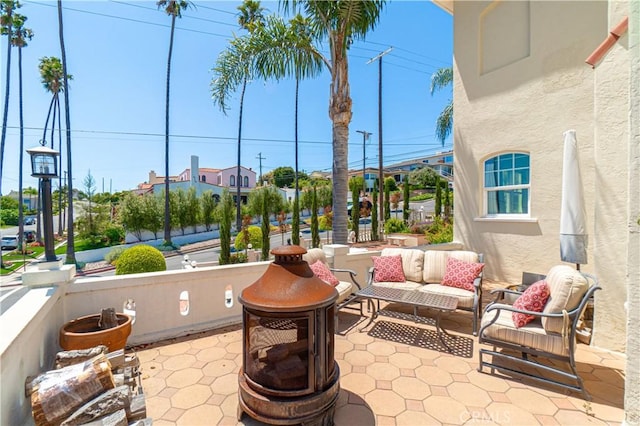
45	167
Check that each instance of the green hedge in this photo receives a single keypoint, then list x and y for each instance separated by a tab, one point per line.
140	258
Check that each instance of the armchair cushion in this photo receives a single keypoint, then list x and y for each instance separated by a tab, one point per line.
567	286
323	272
388	268
461	274
531	335
533	299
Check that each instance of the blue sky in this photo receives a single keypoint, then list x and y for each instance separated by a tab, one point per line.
117	53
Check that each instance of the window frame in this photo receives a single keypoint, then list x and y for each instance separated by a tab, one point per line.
486	190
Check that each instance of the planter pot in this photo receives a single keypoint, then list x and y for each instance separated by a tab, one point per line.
84	333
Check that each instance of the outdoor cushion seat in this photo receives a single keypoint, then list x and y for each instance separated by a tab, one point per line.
424	271
346	289
551	333
465	297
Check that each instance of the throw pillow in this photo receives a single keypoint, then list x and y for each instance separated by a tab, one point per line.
533	299
388	269
323	272
460	274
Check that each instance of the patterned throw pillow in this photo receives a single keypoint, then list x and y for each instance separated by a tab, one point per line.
388	269
533	299
460	274
323	272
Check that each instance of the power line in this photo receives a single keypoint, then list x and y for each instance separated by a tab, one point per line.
198	18
139	21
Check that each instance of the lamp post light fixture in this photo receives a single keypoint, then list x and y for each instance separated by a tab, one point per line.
45	167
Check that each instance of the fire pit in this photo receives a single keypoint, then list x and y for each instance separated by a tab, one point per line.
289	374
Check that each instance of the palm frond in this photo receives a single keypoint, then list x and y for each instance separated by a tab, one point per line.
441	78
444	123
232	68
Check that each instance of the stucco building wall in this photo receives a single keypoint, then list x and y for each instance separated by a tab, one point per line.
523	102
611	115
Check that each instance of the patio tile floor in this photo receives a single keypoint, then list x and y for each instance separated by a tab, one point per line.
394	373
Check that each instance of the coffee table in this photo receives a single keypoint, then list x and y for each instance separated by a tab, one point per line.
437	302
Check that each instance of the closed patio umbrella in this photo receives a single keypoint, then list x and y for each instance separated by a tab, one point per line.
573	215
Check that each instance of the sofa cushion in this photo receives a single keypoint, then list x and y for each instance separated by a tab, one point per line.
465	297
435	263
412	261
531	335
323	272
461	274
388	268
567	286
533	299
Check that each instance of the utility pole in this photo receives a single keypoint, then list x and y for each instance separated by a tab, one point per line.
380	174
260	157
365	138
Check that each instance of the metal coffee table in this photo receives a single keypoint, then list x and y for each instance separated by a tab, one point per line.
438	302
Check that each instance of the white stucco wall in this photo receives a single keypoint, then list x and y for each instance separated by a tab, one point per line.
611	133
525	104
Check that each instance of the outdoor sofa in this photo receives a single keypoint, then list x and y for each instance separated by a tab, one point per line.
425	271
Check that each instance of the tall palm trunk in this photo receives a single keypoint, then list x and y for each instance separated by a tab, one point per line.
167	216
238	179
71	252
340	113
60	208
5	114
20	155
295	224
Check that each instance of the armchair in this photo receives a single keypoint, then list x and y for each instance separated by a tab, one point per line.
551	334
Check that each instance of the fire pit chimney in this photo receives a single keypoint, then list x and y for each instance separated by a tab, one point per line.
289	374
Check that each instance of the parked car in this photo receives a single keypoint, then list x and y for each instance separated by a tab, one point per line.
29	236
30	221
9	242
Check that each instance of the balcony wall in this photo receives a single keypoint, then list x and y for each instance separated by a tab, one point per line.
32	316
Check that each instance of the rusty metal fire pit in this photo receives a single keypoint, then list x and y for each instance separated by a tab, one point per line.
289	374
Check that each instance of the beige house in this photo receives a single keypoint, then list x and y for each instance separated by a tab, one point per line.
520	81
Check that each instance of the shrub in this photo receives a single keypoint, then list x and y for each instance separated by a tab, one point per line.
394	225
440	231
115	234
114	254
255	238
238	258
140	258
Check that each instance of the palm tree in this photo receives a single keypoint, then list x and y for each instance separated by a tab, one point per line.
71	252
444	123
52	79
174	9
233	69
7	8
341	21
20	37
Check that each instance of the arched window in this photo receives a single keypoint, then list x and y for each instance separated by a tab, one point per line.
219	180
204	178
506	184
246	181
240	181
232	180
